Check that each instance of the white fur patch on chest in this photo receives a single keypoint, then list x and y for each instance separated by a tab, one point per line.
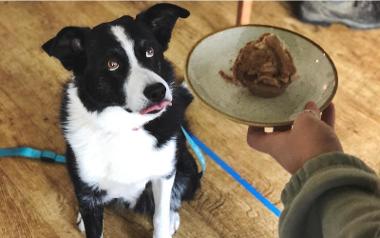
110	154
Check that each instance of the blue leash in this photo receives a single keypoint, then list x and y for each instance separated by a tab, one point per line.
50	156
197	151
235	175
196	145
44	155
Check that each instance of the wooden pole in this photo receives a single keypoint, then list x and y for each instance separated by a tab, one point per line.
244	12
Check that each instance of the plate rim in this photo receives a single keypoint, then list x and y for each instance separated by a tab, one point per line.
253	123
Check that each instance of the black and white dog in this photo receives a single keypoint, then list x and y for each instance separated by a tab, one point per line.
121	118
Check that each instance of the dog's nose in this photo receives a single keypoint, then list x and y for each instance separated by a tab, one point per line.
155	92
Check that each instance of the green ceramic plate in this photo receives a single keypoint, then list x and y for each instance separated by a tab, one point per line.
318	79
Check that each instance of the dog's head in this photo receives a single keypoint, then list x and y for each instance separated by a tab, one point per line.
121	63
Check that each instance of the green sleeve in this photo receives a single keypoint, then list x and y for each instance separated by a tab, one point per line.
333	196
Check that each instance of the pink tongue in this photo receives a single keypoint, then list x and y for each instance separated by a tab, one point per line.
156	107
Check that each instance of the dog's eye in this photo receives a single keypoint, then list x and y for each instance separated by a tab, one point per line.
112	65
149	52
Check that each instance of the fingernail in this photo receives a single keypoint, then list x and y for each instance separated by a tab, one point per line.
314	113
310	104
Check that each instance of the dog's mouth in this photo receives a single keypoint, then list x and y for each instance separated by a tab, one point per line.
156	107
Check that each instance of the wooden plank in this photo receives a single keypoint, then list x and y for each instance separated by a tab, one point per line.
37	199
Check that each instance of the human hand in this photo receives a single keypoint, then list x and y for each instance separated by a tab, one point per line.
310	136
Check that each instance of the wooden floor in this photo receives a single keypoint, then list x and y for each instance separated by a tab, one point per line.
37	200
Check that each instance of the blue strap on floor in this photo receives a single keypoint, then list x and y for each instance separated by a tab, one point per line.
197	151
228	169
50	156
44	155
196	145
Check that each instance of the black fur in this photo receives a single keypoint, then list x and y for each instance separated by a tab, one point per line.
85	51
161	18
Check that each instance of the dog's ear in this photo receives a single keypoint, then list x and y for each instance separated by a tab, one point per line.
68	46
161	18
123	20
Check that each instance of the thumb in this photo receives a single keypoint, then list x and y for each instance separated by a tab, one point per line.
310	114
312	107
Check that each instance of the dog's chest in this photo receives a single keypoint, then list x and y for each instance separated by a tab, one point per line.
121	163
111	155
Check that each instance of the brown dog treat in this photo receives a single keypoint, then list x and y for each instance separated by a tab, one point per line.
229	78
264	66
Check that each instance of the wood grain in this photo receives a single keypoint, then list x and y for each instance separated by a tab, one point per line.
37	200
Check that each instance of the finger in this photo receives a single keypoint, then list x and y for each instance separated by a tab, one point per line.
328	115
310	113
311	109
311	105
265	142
